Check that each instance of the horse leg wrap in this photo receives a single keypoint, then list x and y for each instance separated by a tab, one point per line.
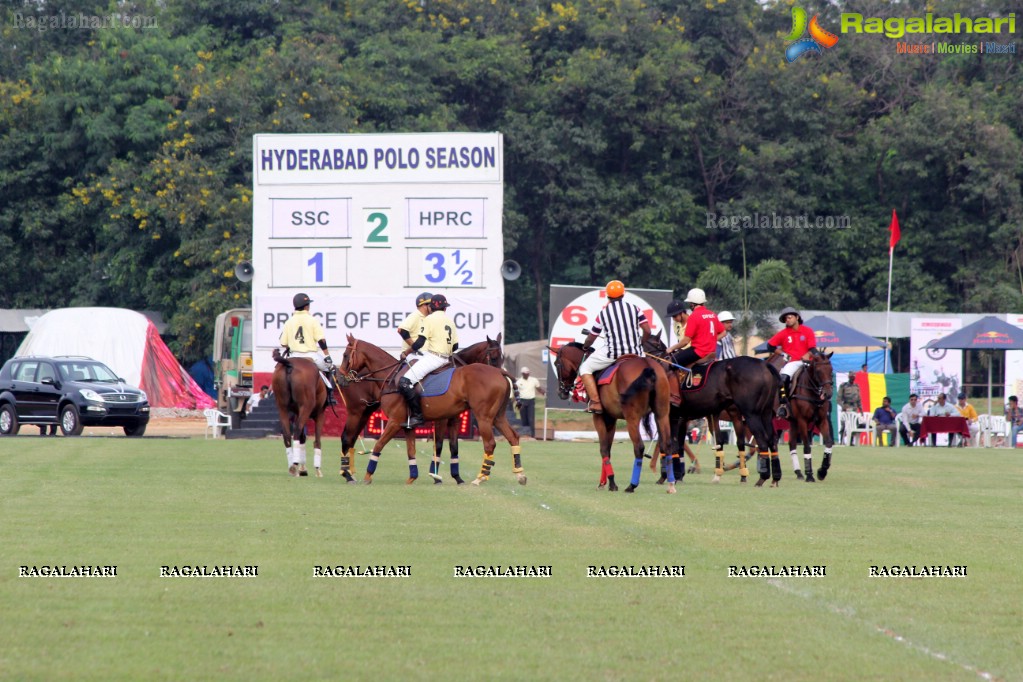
763	466
795	459
300	447
371	468
637	469
606	471
516	451
288	453
317	457
454	467
670	470
488	463
743	469
775	467
413	468
719	463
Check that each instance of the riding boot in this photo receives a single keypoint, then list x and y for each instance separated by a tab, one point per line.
591	390
415	411
331	400
783	394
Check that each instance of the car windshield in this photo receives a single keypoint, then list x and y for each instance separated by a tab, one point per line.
86	371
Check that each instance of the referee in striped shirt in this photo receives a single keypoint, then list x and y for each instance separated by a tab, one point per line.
726	344
625	327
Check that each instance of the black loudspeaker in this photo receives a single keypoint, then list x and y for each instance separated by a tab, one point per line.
244	271
510	270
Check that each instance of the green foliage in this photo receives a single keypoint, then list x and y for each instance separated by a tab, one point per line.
125	154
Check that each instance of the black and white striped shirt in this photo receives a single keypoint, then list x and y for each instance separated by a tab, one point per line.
726	347
619	322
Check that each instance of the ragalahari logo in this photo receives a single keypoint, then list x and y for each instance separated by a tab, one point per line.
818	38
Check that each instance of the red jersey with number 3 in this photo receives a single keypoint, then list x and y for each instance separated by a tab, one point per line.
795	342
702	329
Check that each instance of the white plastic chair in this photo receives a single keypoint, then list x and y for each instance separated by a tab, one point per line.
858	422
999	428
215	421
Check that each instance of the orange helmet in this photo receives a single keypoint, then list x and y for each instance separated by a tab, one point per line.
615	289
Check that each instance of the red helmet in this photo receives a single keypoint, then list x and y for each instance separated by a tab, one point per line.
615	289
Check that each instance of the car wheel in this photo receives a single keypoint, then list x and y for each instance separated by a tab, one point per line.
136	431
8	421
70	421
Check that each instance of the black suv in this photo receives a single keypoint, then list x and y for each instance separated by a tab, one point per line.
73	392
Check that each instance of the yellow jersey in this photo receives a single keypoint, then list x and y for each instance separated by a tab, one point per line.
412	324
302	333
440	333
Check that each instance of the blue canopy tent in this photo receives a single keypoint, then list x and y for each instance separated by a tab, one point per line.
988	334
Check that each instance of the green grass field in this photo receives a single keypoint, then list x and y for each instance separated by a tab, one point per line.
141	504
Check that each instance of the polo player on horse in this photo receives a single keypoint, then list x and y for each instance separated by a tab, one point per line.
303	337
701	333
797	341
439	338
622	324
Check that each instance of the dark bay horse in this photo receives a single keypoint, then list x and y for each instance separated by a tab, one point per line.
481	388
361	396
809	408
639	387
680	417
742	390
300	394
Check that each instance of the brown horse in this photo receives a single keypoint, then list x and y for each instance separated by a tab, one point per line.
639	387
809	408
300	394
361	396
481	388
485	353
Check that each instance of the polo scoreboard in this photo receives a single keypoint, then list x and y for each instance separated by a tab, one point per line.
363	223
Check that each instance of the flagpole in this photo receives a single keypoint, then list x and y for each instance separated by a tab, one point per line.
893	239
888	314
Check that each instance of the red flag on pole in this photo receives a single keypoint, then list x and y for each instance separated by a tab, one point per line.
894	229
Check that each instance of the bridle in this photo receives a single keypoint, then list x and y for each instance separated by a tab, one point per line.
351	377
820	390
564	385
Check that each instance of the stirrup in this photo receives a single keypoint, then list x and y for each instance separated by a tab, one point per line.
595	407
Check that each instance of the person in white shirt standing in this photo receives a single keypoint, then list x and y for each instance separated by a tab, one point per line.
528	388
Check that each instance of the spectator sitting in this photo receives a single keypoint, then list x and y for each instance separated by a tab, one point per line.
911	413
941	409
966	411
1014	419
256	398
884	420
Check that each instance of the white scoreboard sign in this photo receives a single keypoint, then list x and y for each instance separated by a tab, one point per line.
364	223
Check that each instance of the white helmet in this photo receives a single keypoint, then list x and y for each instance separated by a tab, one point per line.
725	316
696	296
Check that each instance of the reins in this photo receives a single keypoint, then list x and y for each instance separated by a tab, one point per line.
355	378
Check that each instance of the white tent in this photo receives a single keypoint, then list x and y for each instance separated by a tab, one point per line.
125	341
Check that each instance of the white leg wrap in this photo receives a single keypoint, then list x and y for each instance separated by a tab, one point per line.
300	447
289	455
317	457
808	456
795	460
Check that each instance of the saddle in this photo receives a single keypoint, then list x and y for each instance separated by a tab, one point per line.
694	378
433	384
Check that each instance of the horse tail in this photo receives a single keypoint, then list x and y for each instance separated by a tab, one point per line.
646	381
515	387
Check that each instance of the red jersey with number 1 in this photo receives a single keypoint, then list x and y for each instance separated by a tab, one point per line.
702	329
795	342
